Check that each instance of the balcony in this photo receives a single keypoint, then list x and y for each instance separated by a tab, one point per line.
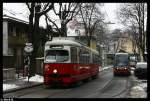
14	40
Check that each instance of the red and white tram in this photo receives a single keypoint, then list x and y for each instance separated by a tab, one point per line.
68	61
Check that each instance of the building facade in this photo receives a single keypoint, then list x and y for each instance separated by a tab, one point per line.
125	43
75	28
14	39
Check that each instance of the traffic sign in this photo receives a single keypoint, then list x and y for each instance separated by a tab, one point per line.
28	48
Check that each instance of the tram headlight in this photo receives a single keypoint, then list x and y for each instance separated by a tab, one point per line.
55	71
125	68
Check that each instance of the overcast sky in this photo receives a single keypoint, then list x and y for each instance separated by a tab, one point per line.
109	9
110	15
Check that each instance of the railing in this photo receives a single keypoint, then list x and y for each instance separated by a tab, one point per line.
14	40
8	74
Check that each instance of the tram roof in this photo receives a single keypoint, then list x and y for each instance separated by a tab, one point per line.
95	51
68	41
62	42
120	53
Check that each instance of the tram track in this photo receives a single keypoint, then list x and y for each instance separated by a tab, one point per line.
106	91
101	89
122	91
68	90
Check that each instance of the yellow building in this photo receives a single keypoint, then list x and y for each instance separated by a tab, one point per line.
125	43
93	44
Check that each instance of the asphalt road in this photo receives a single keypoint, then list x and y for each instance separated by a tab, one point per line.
105	86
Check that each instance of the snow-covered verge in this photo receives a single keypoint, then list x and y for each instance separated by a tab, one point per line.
139	90
36	78
9	86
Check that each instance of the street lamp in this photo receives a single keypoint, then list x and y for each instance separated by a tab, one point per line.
28	49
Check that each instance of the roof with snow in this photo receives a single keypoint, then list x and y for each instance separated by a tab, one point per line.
8	14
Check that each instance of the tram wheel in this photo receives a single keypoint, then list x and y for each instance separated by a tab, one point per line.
95	76
77	83
47	86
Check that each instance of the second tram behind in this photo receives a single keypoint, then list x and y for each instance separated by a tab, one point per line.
121	65
67	61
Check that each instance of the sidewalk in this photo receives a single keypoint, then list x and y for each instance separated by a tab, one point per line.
17	84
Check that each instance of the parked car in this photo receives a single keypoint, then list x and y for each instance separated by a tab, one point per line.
141	70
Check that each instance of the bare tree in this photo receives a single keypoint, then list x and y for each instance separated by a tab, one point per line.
101	30
134	15
90	15
65	12
36	11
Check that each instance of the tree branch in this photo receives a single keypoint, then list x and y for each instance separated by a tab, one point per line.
48	9
52	22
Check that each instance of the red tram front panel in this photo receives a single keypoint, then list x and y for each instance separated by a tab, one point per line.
68	72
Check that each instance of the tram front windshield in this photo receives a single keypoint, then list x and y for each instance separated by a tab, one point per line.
121	60
57	55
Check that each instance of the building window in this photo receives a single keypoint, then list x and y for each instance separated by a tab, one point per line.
18	31
77	32
12	30
10	51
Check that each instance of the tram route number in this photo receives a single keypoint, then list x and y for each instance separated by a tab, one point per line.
7	99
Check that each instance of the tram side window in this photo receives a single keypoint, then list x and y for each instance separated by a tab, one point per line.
84	56
74	54
87	57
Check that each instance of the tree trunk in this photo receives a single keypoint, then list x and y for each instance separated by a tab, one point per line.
35	42
30	35
63	30
89	42
30	30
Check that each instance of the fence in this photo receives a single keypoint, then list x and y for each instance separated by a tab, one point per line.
9	74
39	65
8	61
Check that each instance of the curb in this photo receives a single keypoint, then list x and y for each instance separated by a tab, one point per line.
20	88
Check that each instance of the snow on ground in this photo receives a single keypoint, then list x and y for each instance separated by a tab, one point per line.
138	92
140	89
36	78
9	86
143	85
